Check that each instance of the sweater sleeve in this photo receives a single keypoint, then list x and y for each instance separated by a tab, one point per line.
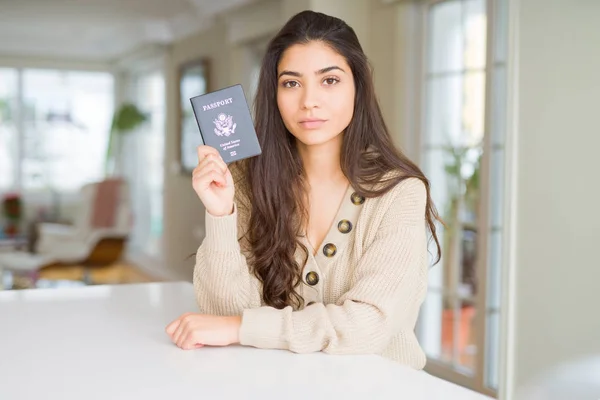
390	282
222	280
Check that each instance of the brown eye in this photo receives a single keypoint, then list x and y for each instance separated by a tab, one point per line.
331	81
290	84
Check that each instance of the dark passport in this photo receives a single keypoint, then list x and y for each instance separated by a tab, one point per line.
225	123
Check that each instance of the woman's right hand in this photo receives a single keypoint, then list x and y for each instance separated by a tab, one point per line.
213	182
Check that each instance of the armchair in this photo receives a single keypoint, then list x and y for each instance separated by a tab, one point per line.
97	237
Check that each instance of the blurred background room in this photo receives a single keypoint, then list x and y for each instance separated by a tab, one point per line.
497	101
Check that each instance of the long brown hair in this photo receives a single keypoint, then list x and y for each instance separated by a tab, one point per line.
274	181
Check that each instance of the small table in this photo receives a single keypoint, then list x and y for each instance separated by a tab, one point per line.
13	243
19	264
109	342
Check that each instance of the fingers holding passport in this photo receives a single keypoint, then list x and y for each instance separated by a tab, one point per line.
211	167
211	158
212	181
204	150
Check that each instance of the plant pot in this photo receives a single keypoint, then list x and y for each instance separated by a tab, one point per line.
464	330
11	229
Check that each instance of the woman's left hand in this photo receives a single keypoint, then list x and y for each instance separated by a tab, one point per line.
191	331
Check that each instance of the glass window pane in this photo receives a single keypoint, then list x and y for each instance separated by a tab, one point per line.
458	339
450	330
467	287
435	162
473	109
498	107
475	21
497	188
144	164
494	271
466	348
455	191
444	111
430	324
501	31
8	128
446	43
446	330
67	121
192	84
455	110
492	358
155	86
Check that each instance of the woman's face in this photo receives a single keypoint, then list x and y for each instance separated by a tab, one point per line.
315	92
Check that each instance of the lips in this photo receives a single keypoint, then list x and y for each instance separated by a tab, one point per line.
312	123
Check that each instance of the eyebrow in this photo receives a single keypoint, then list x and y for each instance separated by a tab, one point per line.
319	72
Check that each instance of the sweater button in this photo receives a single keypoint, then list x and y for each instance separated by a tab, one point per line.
344	226
329	250
312	278
357	199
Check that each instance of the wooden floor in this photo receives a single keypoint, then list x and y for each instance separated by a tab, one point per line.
115	274
74	275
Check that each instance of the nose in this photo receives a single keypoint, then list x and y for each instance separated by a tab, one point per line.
309	98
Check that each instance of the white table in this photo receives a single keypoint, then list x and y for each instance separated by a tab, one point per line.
108	342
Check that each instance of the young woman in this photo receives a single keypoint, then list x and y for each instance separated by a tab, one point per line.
320	243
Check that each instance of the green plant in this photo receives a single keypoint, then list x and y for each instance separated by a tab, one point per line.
464	186
5	111
126	119
463	169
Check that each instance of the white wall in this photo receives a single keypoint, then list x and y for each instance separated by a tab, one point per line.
15	61
356	13
556	261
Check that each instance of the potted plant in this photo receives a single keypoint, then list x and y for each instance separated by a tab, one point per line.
125	120
12	210
460	216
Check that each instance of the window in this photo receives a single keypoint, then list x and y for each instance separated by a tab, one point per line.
9	92
255	51
462	154
54	128
143	165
